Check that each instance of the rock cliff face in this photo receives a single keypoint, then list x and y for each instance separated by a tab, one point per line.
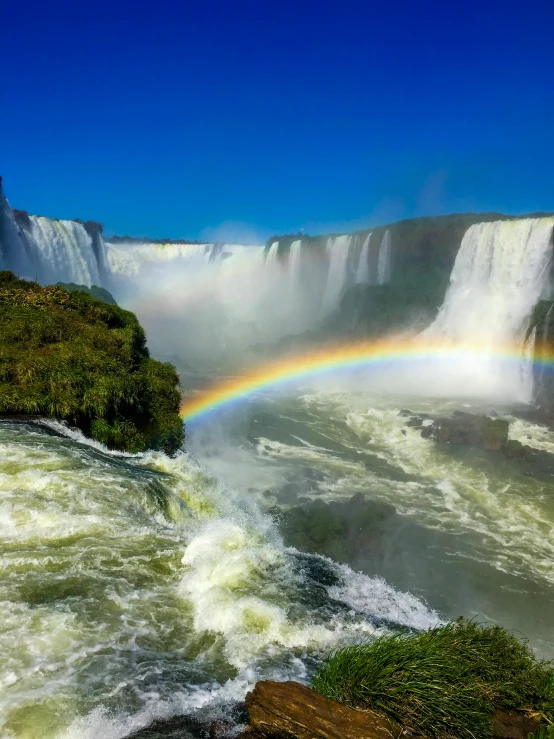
541	333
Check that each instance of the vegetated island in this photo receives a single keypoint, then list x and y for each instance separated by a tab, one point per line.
73	357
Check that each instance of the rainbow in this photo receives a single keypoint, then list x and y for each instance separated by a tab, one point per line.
332	359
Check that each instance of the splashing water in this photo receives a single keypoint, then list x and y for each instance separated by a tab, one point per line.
136	587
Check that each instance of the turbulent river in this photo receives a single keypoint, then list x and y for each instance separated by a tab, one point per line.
141	587
137	587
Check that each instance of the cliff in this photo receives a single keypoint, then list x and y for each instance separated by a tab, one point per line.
72	357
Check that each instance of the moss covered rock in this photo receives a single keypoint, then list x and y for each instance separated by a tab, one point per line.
71	357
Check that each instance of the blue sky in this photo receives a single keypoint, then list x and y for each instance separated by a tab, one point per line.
242	119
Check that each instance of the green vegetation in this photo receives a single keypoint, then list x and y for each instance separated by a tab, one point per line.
69	356
97	292
544	732
445	682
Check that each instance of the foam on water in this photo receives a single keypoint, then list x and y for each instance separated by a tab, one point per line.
384	458
139	587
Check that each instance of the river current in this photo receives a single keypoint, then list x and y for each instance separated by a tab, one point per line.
139	587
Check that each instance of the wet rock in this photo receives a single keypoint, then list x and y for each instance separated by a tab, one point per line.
468	429
220	730
276	513
415	421
343	530
292	710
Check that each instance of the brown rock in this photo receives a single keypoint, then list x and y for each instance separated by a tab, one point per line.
294	711
512	725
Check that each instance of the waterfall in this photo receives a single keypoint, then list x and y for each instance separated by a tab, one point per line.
272	254
500	272
294	264
62	251
384	259
13	255
338	248
49	250
362	273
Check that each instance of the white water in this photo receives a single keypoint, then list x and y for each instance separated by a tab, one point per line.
362	273
62	251
338	248
140	587
500	272
384	260
294	265
49	250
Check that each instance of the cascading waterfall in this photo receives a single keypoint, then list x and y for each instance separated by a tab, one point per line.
62	251
500	272
338	248
49	250
362	273
272	254
294	264
384	260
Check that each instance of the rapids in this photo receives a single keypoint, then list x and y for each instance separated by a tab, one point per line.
137	587
140	587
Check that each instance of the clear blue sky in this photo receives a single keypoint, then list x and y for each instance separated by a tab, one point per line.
168	118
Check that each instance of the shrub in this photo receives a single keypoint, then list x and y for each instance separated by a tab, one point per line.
70	356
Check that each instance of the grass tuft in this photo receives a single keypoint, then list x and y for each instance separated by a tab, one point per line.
445	682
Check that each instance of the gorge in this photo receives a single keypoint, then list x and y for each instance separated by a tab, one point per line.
308	514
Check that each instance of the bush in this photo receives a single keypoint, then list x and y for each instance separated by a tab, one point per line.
445	682
69	356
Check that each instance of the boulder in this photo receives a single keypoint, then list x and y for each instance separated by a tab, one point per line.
469	429
294	711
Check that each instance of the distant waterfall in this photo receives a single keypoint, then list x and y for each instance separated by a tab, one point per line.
384	260
294	263
136	259
362	272
272	253
500	272
338	249
62	251
49	250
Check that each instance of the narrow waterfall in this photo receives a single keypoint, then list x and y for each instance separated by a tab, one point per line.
362	272
294	264
272	254
500	272
337	251
384	260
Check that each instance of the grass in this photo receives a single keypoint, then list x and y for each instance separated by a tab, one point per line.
445	682
70	356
